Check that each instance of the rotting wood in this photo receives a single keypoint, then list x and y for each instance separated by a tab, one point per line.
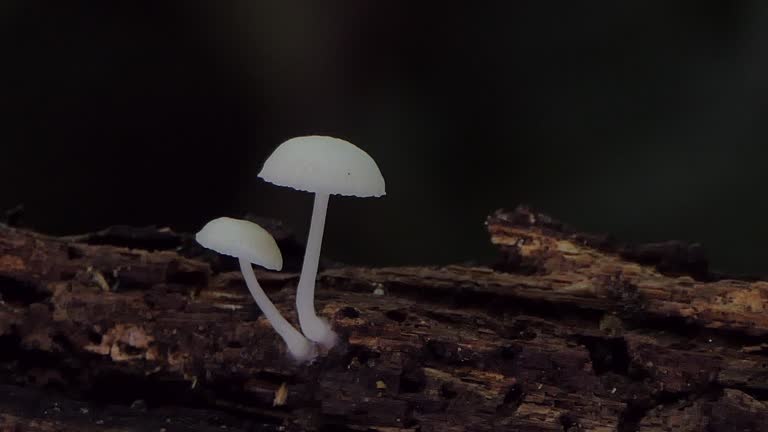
567	332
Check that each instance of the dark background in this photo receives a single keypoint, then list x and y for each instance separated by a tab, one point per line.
644	119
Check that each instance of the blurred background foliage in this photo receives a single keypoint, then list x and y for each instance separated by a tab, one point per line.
642	119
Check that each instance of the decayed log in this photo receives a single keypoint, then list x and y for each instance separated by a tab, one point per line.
140	330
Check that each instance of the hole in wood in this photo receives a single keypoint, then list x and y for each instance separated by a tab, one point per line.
396	315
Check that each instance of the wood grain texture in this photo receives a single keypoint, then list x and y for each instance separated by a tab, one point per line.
139	329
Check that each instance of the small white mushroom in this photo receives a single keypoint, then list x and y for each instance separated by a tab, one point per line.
325	166
250	243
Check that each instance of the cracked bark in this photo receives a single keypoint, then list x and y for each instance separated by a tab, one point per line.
138	329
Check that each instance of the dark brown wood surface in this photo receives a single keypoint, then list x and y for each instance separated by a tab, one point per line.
140	330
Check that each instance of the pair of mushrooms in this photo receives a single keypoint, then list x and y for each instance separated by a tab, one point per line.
319	164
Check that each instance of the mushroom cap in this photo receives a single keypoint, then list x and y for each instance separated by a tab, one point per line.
241	239
323	164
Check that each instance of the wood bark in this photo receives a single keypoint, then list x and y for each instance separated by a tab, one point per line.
141	330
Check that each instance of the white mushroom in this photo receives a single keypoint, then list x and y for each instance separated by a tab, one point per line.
250	243
325	166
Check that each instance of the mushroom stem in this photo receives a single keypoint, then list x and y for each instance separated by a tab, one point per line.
315	328
300	348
